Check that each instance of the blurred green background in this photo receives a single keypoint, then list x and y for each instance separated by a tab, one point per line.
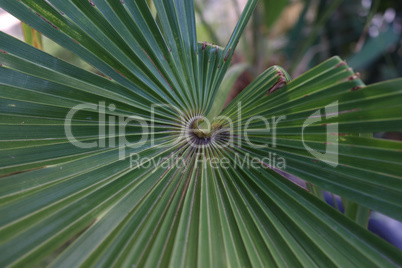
300	34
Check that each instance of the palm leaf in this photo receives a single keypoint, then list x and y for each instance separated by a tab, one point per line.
67	206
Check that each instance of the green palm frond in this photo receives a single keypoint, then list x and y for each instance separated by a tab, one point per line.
118	168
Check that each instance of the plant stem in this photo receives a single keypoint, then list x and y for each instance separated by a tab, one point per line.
315	190
357	213
31	36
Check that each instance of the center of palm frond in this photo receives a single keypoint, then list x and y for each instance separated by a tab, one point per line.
201	133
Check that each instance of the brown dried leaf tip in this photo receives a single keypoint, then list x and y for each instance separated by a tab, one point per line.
341	64
355	76
204	45
279	83
227	55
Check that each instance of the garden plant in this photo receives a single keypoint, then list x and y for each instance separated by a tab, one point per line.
139	164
